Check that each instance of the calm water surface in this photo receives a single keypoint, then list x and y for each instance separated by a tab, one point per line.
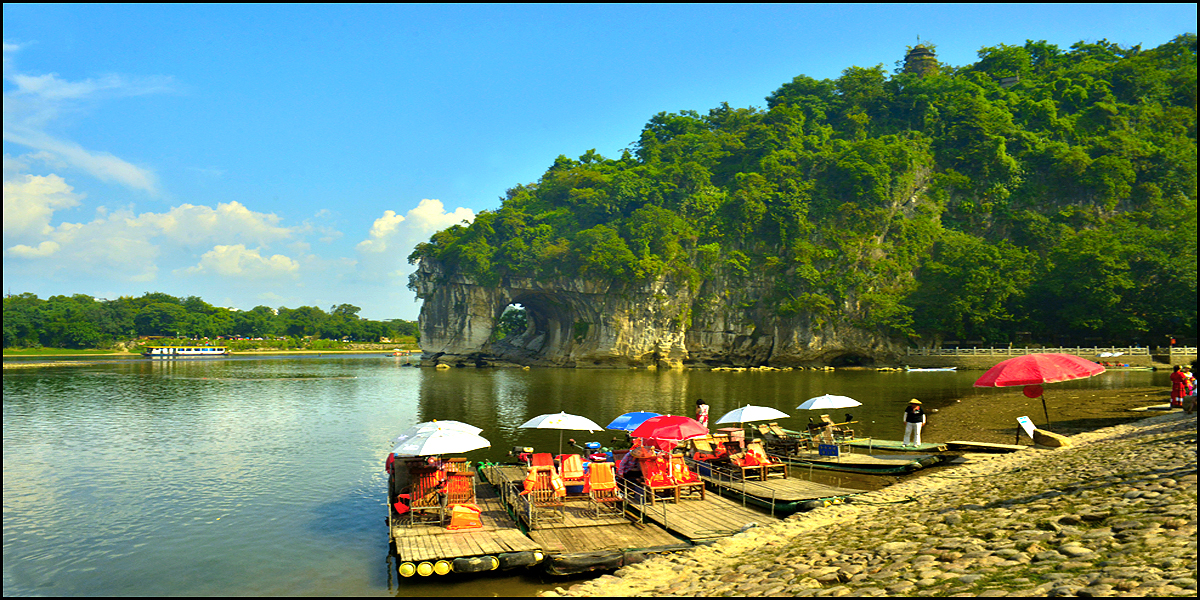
265	476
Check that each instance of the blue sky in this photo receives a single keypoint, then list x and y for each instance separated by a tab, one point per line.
293	155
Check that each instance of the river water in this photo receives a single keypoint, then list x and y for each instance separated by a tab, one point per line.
264	476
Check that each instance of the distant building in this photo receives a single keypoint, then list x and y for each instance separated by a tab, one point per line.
921	60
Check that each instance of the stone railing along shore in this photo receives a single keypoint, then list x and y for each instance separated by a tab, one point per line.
1114	514
1077	350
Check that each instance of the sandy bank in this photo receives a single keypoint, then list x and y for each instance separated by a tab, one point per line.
992	416
1115	514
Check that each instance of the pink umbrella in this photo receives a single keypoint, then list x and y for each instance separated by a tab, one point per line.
670	428
1032	370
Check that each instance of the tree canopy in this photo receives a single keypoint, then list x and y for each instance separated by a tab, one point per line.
81	321
1038	189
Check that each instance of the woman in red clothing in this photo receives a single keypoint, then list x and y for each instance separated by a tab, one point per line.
702	412
1178	387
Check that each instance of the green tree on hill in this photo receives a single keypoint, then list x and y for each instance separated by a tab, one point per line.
1038	189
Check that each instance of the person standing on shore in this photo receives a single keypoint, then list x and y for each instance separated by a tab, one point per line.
1178	387
702	412
914	419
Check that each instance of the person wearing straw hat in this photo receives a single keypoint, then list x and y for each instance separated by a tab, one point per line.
914	419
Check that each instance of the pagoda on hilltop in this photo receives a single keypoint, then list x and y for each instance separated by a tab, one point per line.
921	60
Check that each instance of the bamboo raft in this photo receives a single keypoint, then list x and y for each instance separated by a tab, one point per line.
582	541
778	496
702	520
864	463
895	445
425	549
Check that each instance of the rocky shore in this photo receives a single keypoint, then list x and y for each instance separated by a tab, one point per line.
1112	515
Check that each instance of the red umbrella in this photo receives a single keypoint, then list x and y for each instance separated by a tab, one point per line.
1032	370
670	427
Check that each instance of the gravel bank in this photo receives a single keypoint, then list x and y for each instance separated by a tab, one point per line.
1113	515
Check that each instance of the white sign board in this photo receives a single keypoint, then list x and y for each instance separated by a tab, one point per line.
1027	425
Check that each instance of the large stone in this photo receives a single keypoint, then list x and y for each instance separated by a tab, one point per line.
1050	439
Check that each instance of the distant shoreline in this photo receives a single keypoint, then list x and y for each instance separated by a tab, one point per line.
17	361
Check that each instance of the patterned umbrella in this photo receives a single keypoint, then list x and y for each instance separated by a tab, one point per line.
433	426
562	421
440	441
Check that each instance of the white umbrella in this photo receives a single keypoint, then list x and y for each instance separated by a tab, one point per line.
433	426
561	421
750	413
440	441
828	401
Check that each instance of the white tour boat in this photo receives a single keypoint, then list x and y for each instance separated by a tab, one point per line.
185	351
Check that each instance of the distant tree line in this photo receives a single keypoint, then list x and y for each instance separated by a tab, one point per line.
81	321
1039	192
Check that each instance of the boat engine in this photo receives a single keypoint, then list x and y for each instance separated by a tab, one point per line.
593	451
523	453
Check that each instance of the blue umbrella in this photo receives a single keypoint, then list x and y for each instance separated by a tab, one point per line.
630	421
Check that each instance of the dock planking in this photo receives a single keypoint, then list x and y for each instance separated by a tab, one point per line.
599	538
701	520
782	491
432	542
582	531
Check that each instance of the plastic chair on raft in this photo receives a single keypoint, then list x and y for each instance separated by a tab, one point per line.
460	488
572	469
840	434
703	450
602	489
687	482
425	495
656	478
770	467
544	492
780	444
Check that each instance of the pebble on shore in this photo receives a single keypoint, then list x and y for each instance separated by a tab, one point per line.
1112	515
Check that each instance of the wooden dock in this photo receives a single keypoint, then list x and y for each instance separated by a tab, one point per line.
778	496
583	541
702	520
424	545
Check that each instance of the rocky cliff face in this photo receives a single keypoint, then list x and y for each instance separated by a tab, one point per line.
662	324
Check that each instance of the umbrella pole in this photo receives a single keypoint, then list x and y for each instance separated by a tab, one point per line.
1045	411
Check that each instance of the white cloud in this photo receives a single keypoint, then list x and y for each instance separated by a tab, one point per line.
36	101
126	246
101	165
238	261
51	87
30	202
401	233
43	249
381	230
191	225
